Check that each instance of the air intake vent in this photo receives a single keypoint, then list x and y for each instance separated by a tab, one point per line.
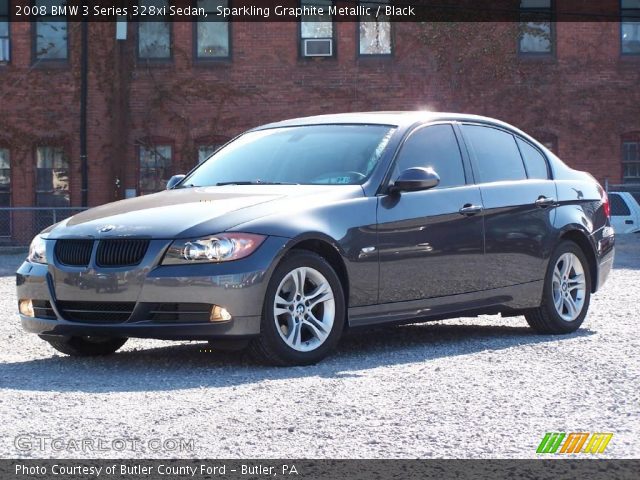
42	309
75	253
121	252
96	312
180	312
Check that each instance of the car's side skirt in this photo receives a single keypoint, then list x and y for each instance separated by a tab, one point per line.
507	299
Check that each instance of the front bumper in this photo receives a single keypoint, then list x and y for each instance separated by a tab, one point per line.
237	328
238	286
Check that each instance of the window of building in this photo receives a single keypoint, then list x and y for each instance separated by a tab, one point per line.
5	178
631	161
435	147
212	31
52	177
534	160
154	37
551	144
374	34
536	35
155	168
630	27
316	31
4	31
51	34
205	151
5	192
496	154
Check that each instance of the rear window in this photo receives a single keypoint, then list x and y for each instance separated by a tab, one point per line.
496	153
534	160
618	206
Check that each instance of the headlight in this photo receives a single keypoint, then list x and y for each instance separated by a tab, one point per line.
37	250
217	248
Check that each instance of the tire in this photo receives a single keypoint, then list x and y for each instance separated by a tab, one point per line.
85	346
308	327
554	315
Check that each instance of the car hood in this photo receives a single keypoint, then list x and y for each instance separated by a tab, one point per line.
194	212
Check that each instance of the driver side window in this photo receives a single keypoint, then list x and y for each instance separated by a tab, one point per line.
436	147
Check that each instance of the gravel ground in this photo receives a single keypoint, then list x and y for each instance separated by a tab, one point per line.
468	388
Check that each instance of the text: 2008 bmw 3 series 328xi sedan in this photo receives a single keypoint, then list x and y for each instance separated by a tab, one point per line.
297	230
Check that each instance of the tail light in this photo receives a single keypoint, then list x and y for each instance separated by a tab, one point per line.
605	204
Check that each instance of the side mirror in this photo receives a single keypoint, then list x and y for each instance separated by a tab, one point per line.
173	181
415	179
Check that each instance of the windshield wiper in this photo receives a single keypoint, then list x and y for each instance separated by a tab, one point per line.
253	182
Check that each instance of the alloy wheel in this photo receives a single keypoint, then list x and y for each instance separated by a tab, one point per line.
568	287
304	309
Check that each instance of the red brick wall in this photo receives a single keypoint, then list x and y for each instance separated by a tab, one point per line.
586	95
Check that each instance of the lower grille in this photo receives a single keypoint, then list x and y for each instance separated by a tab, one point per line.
180	312
75	253
96	312
121	252
42	309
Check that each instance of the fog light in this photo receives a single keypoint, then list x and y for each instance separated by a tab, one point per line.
26	308
219	314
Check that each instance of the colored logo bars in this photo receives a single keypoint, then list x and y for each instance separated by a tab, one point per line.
574	442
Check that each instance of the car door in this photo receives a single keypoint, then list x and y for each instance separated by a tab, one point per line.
623	219
431	241
519	201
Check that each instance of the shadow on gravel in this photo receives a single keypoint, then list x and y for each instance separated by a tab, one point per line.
9	263
177	367
627	251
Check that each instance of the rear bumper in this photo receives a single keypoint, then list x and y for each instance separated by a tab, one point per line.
238	286
605	253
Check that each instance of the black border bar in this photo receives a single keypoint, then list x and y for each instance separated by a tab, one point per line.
557	469
349	11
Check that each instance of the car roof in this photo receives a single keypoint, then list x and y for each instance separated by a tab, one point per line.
398	119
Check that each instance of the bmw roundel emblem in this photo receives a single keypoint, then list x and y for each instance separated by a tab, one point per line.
106	228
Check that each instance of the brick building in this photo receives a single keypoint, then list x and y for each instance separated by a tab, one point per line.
166	95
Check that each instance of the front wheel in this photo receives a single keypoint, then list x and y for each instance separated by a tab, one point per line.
304	312
85	346
566	293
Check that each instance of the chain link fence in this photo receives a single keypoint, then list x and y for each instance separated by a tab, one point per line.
632	188
18	225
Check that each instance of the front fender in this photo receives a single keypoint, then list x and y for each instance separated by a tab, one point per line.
348	227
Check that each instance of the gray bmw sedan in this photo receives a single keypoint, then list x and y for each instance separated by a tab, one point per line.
296	231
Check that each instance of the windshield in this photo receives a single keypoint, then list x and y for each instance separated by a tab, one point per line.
317	154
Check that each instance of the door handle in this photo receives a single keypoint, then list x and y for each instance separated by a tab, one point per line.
469	209
544	202
628	222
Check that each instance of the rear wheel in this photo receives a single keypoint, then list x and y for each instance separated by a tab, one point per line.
566	294
304	312
85	346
